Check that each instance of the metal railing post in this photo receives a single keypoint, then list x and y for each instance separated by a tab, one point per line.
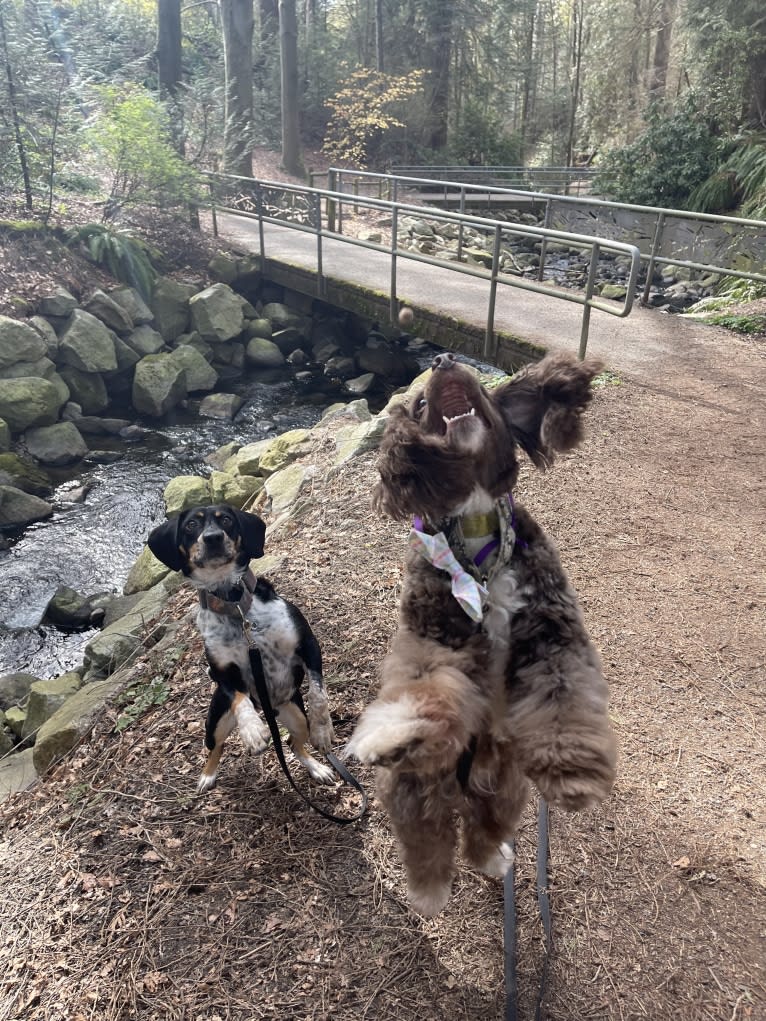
489	337
331	202
213	209
544	242
318	221
394	301
339	189
595	253
460	228
259	211
656	242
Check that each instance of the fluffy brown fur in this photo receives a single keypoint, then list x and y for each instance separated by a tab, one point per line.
520	696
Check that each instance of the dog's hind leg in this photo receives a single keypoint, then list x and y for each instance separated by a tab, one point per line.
560	724
294	719
426	830
495	795
320	724
220	723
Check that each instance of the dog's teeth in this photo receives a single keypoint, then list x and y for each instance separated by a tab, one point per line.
455	418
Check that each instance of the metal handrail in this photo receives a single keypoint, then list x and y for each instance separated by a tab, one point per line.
391	183
328	225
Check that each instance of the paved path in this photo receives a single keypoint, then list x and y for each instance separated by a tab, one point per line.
668	353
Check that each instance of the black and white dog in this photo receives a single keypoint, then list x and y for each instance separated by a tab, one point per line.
247	627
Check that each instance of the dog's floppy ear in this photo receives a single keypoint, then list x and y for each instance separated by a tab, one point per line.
253	532
163	542
543	405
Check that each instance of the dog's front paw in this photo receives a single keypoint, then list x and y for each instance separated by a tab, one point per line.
206	782
321	733
386	732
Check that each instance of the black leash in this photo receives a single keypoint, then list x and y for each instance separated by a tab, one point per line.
509	921
271	718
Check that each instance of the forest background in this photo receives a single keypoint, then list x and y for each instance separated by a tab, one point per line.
132	99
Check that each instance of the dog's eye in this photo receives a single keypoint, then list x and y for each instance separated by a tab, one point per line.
225	521
193	526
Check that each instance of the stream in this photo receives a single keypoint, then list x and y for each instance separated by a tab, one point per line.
91	546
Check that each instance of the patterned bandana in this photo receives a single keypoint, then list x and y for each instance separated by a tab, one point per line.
468	592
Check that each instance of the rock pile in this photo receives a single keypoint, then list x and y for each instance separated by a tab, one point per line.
61	369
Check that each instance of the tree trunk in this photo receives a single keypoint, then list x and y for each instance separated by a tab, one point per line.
379	54
438	19
659	72
17	134
169	64
578	17
237	24
288	51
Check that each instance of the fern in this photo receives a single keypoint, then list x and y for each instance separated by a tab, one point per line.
127	257
741	179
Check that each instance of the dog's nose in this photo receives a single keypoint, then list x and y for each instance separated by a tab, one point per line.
213	536
445	360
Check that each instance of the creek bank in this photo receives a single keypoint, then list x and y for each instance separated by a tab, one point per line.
42	720
65	368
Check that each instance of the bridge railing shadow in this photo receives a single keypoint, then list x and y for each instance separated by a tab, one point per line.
321	212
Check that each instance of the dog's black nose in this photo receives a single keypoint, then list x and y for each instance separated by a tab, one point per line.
213	536
444	361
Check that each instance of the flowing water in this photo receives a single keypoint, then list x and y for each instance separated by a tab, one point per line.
91	546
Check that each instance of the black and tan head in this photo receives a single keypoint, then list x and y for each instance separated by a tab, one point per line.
455	444
211	545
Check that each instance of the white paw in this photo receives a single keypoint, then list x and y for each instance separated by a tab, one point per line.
429	902
206	782
385	730
498	863
317	770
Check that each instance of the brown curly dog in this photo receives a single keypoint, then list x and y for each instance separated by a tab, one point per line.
492	679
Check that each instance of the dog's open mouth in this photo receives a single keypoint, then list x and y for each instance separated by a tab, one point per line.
455	407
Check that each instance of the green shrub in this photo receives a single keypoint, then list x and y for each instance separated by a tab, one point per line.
675	154
481	139
131	135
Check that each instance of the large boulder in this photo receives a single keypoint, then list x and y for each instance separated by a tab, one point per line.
5	432
282	451
170	307
200	374
111	314
145	341
185	491
247	459
19	343
159	384
86	344
28	401
218	406
56	444
70	610
108	650
18	508
216	313
131	302
59	304
234	490
73	721
264	354
284	487
146	572
23	473
46	698
15	688
87	389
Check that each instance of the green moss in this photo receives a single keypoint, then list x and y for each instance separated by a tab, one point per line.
751	324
